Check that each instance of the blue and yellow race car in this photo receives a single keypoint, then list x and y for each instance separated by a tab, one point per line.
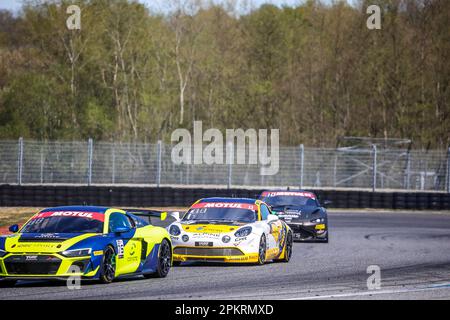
90	242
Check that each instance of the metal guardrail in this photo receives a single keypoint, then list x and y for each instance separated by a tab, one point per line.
103	163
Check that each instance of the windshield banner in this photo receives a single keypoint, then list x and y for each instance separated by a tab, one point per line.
288	193
226	205
71	214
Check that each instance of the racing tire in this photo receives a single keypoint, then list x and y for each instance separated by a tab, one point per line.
288	249
164	261
108	266
262	250
7	283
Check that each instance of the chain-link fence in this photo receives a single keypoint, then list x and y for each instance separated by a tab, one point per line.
103	163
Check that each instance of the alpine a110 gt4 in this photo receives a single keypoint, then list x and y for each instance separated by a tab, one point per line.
230	230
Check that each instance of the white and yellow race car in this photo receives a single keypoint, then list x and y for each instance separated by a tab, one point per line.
230	230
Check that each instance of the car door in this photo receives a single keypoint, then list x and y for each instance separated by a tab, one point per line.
128	247
274	232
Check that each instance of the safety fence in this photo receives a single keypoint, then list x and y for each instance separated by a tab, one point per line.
150	164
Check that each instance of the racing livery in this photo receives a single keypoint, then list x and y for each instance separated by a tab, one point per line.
91	242
230	230
302	211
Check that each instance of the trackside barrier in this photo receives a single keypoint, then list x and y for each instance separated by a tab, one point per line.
47	196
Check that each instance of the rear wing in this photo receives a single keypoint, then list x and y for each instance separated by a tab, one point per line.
147	213
154	217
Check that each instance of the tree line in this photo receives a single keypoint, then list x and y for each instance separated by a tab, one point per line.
314	71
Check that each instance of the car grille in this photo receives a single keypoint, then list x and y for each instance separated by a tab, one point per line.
32	264
208	252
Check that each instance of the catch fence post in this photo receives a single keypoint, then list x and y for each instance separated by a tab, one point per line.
374	168
230	163
158	173
90	158
448	170
302	163
20	161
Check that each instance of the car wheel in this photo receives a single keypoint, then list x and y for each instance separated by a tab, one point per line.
7	283
108	265
164	261
262	250
288	248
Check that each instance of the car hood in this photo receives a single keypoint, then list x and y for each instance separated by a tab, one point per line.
43	243
296	212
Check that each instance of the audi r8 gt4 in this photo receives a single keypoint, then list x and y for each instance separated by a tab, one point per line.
302	211
89	242
230	230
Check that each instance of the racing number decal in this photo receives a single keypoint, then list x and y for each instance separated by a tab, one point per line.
120	246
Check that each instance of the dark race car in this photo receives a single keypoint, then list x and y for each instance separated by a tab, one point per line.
302	211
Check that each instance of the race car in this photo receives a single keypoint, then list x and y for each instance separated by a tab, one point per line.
230	230
302	211
90	242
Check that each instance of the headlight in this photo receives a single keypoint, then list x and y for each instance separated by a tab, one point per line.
185	238
174	230
318	220
243	232
3	253
226	239
77	253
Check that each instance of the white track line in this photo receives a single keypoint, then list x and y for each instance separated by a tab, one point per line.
375	292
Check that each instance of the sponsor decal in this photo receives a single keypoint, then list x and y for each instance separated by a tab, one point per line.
120	252
206	235
289	216
98	253
31	258
289	193
47	236
133	249
231	205
72	214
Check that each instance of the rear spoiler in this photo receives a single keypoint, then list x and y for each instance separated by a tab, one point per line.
147	213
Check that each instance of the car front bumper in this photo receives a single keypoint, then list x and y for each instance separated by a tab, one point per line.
45	266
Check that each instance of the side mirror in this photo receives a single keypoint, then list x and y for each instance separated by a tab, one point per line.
121	230
14	228
326	203
175	215
272	217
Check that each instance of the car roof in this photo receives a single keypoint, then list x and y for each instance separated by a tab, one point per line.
78	208
229	200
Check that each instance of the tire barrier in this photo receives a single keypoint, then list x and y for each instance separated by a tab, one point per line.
48	196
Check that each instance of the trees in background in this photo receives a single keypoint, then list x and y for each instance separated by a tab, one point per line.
314	71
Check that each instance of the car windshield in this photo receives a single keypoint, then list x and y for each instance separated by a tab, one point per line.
283	201
63	225
220	214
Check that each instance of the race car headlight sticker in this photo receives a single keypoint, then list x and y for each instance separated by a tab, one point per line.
3	253
318	220
226	239
185	238
77	253
243	232
174	230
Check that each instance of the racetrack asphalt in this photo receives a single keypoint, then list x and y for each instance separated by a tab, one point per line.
411	249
